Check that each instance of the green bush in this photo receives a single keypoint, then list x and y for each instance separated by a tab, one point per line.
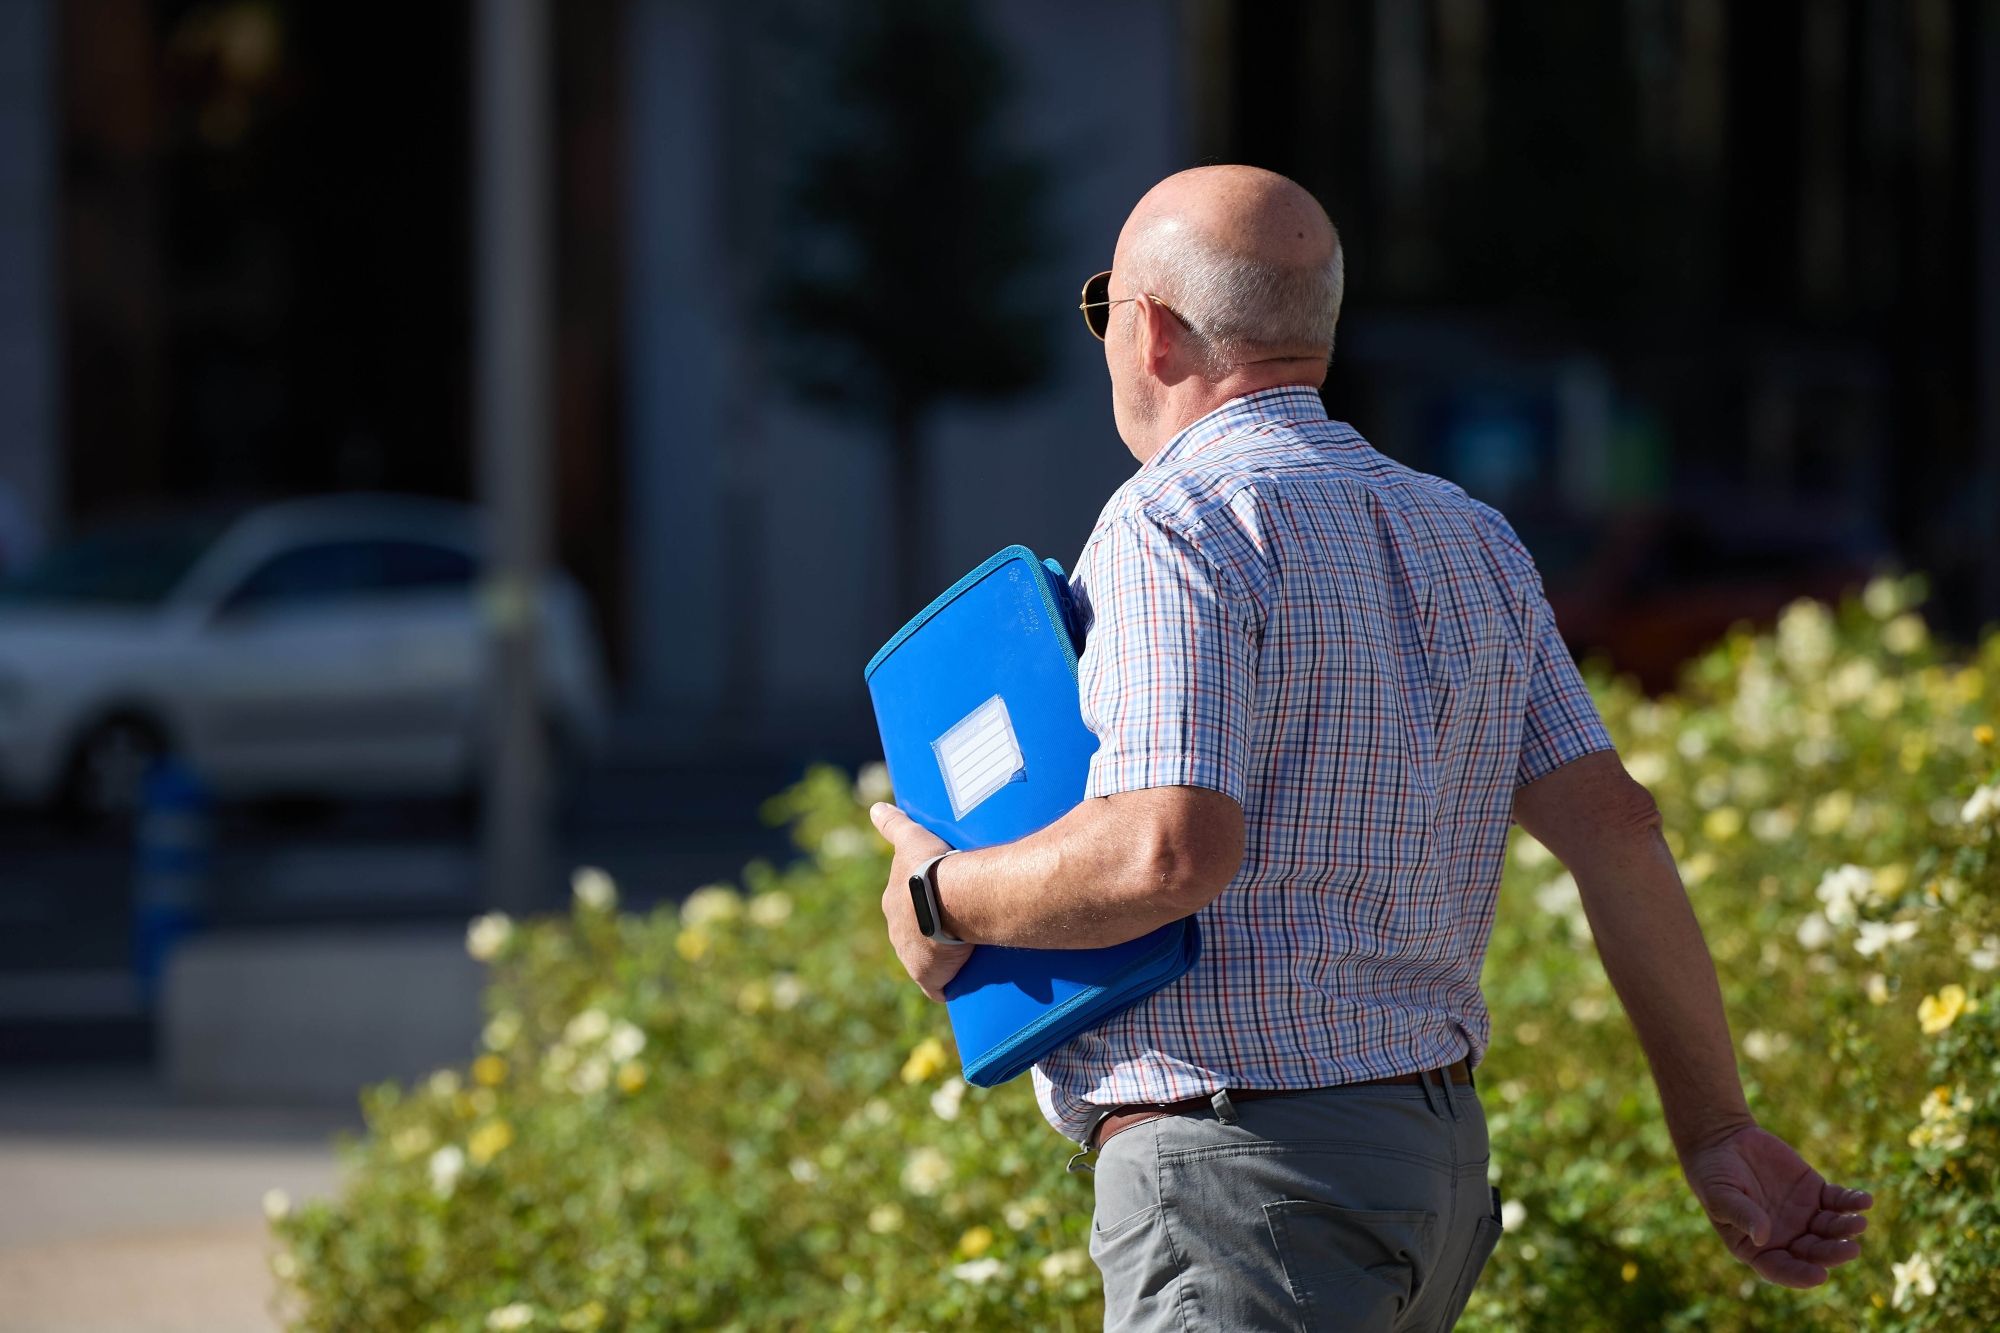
739	1113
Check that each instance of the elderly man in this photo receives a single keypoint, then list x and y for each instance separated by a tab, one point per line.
1322	685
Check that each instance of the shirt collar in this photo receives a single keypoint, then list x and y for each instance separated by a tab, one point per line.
1287	403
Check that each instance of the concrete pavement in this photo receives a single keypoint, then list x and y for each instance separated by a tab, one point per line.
124	1211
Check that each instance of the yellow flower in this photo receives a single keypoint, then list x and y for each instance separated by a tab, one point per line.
1722	823
1629	1271
584	1318
631	1076
1983	734
488	1141
976	1241
927	1060
490	1070
692	944
1938	1012
884	1218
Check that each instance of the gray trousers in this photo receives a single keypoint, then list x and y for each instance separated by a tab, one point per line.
1362	1208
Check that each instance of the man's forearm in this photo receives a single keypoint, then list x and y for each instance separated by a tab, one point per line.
1658	962
1090	879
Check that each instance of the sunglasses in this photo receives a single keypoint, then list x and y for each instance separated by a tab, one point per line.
1096	304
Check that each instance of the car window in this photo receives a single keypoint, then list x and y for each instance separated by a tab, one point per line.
326	571
407	565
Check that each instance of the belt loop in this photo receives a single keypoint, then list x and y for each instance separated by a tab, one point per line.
1225	1110
1450	1098
1076	1170
1424	1077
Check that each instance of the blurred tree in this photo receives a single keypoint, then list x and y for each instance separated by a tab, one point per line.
912	223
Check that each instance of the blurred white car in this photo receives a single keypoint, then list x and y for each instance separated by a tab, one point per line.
327	647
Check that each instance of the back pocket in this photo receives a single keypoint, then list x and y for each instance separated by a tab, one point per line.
1349	1267
1485	1239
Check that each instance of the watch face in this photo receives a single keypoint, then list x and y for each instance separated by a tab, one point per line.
922	902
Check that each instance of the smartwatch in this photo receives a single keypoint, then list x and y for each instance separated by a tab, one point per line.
924	897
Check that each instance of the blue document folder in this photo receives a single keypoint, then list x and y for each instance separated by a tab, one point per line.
982	730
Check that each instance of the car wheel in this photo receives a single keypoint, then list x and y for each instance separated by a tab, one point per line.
106	779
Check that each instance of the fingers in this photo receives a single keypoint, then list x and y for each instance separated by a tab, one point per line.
1842	1199
1824	1250
1827	1223
1787	1270
886	818
1735	1208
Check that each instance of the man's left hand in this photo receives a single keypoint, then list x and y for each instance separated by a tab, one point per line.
929	963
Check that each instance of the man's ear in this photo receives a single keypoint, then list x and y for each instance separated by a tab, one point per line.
1159	340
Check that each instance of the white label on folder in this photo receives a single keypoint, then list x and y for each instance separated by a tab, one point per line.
979	756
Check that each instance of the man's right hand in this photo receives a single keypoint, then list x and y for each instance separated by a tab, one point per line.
1774	1211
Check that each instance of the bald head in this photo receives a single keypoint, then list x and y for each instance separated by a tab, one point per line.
1245	256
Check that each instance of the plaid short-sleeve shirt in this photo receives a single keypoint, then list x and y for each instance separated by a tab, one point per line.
1360	655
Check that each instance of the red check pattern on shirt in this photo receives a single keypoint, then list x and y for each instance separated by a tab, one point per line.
1361	655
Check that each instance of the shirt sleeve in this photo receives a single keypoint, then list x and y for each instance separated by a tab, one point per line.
1168	672
1562	721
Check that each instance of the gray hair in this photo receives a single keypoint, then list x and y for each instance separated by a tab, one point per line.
1238	306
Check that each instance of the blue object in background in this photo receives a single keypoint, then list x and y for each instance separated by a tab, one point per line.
982	730
174	845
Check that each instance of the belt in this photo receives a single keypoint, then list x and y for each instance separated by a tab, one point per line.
1125	1116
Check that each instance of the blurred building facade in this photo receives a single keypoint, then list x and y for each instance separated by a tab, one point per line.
1696	292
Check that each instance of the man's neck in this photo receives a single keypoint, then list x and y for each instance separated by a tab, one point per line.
1192	399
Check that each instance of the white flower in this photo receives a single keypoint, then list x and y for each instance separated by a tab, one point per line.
1882	597
1588	1008
884	1218
1805	637
786	991
1987	956
594	889
1914	1274
711	904
979	1270
1774	825
843	843
591	1077
1814	932
1760	1045
487	935
1559	898
1512	1213
927	1171
501	1030
1905	634
1647	767
284	1266
1842	889
1982	806
770	909
1064	1264
507	1317
871	784
945	1101
803	1171
277	1203
446	1165
587	1027
443	1083
1878	935
625	1042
